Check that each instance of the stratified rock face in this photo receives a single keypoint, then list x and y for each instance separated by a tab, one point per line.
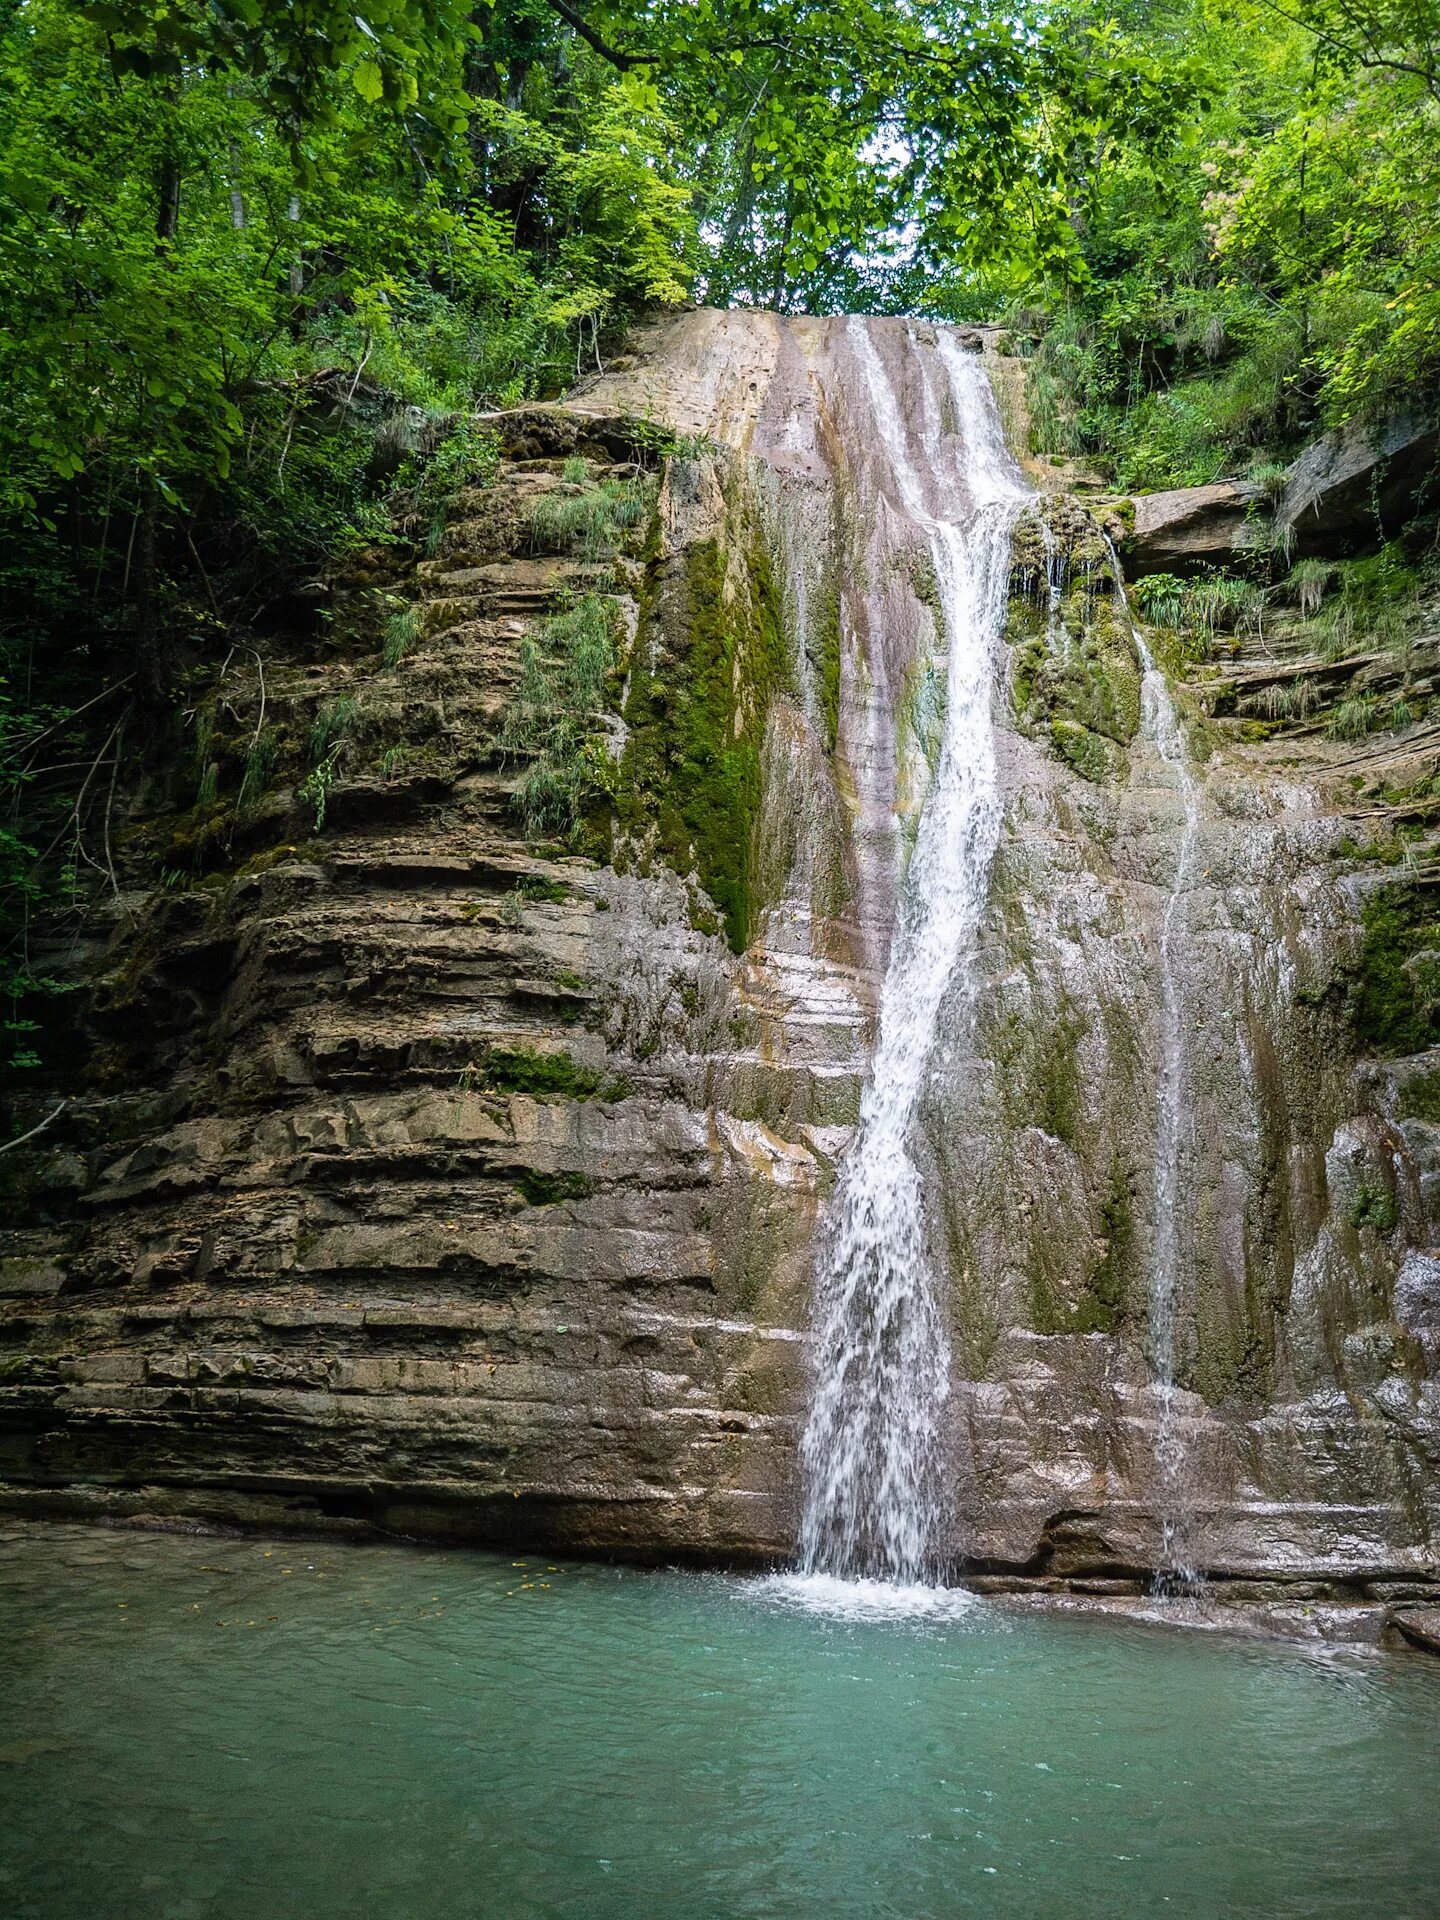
423	1176
1189	529
1359	484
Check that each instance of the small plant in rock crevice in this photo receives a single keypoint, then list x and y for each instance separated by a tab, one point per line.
552	718
1307	583
260	758
593	522
401	631
454	451
334	721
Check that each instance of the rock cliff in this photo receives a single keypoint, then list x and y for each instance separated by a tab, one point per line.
422	1170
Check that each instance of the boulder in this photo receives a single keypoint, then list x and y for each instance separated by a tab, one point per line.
1420	1626
1190	529
1359	485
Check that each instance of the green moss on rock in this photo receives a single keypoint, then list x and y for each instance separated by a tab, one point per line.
1419	1099
1393	1001
549	1076
826	661
1086	752
709	657
1374	1206
1102	1306
1074	673
545	1189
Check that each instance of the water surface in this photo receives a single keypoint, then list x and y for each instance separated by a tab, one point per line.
215	1729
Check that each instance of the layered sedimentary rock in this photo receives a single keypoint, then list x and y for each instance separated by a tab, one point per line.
1187	529
420	1175
1358	484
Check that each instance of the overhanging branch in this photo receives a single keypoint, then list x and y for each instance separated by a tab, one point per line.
621	61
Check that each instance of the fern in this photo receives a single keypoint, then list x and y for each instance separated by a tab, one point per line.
402	630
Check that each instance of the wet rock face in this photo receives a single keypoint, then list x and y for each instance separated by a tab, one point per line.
417	1173
425	1173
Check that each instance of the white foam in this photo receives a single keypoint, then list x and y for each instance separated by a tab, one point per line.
832	1598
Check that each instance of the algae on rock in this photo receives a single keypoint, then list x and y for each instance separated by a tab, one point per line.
708	657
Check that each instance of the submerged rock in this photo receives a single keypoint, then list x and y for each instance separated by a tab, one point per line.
1419	1626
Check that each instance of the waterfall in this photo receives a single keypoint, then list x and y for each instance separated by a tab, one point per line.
871	1452
1160	725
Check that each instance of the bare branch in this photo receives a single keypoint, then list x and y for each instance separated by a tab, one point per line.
623	62
39	1127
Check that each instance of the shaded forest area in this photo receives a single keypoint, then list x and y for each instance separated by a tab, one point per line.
263	267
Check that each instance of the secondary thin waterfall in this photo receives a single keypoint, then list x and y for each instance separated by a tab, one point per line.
1160	724
871	1451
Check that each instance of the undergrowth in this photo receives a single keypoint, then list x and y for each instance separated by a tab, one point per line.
590	521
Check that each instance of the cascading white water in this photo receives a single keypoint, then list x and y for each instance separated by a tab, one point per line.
871	1448
1057	634
1160	725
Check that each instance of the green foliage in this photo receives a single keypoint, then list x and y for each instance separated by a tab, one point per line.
1160	598
861	156
1378	603
315	788
1201	609
1307	583
453	451
334	718
1356	717
309	57
260	266
23	883
534	886
590	521
402	630
1284	275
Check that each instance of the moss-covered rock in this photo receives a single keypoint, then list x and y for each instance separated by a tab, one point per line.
709	656
1393	995
1074	670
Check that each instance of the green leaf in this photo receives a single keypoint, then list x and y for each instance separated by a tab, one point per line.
369	81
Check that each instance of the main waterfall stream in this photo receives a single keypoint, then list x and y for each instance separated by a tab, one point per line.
871	1452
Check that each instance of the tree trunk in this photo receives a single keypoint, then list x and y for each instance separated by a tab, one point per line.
167	193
